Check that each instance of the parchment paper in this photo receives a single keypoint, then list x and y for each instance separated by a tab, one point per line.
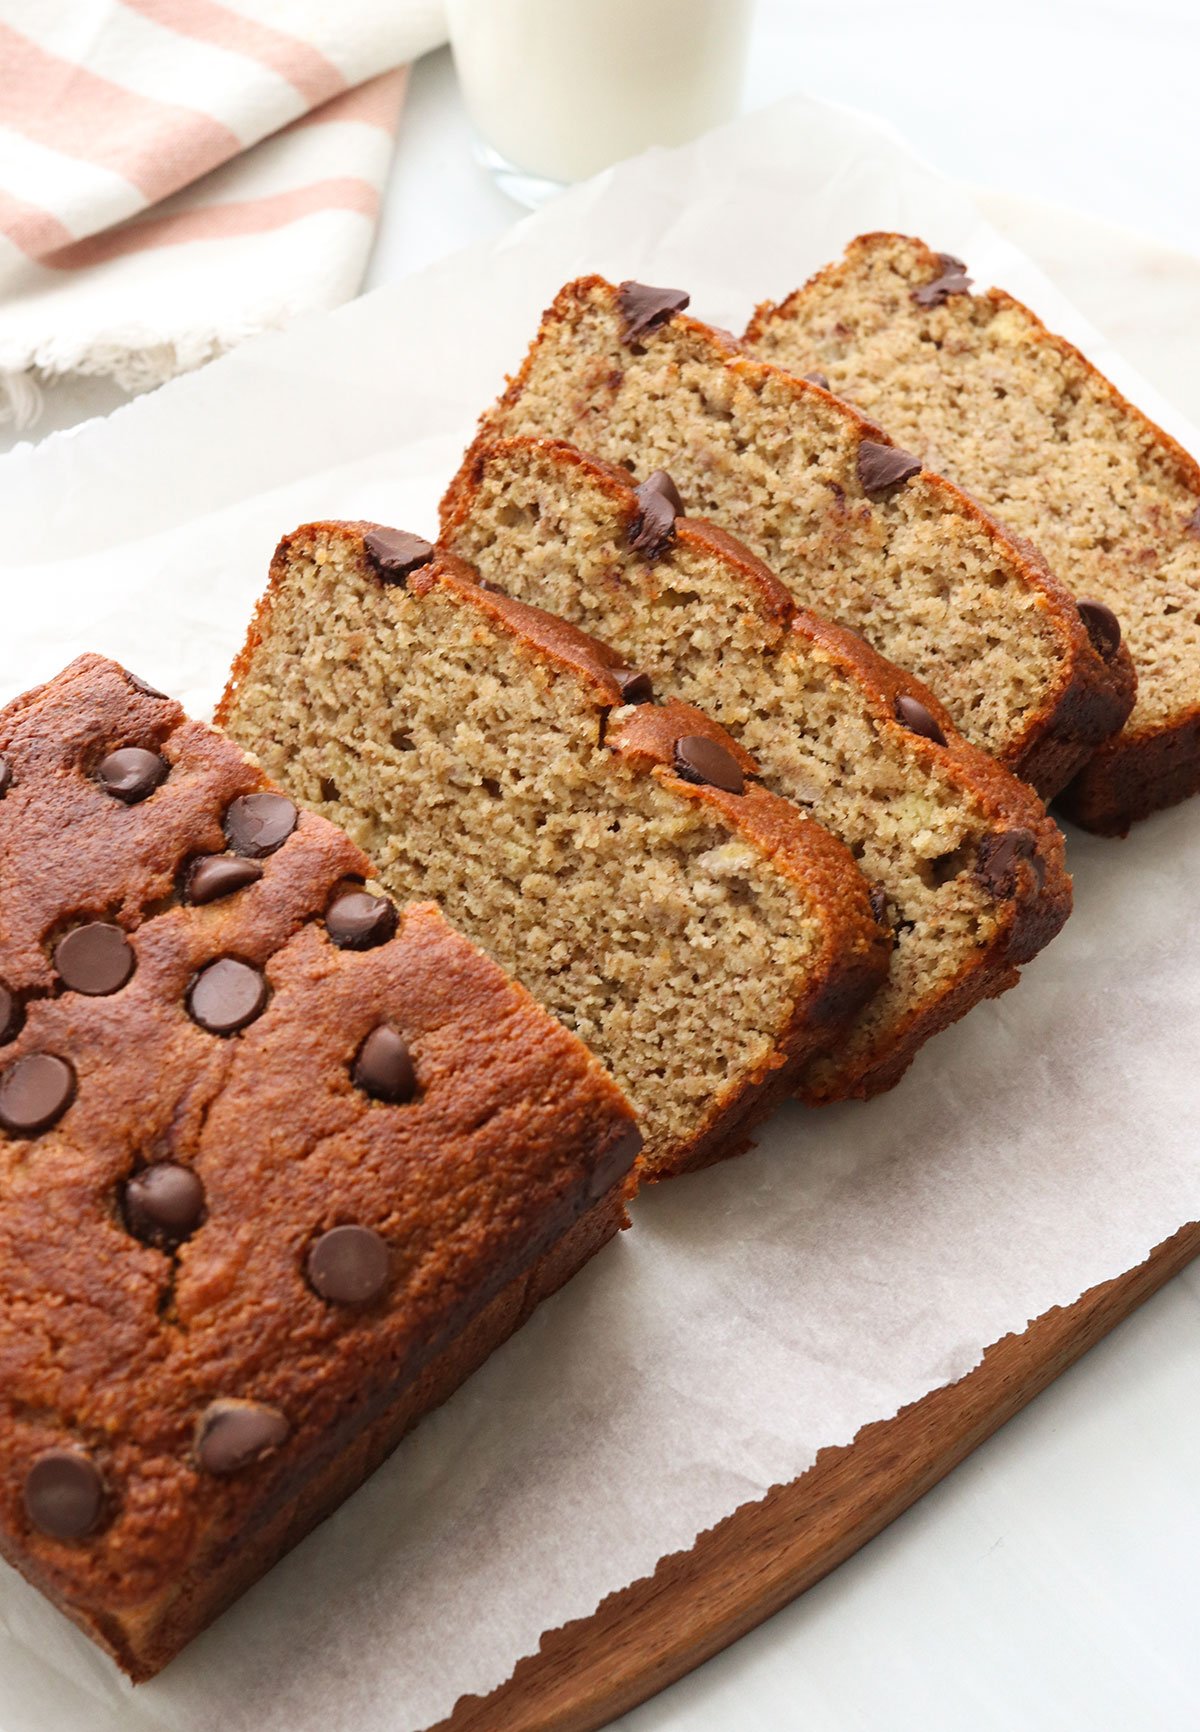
862	1255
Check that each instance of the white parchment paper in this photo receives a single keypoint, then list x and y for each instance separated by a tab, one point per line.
861	1255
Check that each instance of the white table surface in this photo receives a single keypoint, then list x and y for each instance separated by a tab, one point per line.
1050	1584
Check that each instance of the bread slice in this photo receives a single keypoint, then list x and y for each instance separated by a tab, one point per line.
979	386
703	936
853	527
820	711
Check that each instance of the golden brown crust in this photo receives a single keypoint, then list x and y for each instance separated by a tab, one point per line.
1091	698
513	1134
1138	770
1041	892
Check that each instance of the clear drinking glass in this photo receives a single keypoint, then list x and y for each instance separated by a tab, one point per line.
558	89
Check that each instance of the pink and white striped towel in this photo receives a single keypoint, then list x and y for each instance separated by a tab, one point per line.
176	175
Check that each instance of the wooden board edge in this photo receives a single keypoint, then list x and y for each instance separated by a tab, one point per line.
756	1560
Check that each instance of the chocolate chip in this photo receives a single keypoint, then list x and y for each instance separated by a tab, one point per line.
1192	527
355	920
816	379
5	777
384	1067
257	824
635	686
164	1204
953	280
131	773
701	760
659	504
1103	627
217	875
999	857
95	959
644	308
64	1494
882	467
615	1161
226	995
232	1435
142	686
659	481
912	713
35	1092
396	554
349	1266
10	1013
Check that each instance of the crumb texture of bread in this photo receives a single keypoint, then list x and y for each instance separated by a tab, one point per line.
499	1158
700	942
917	569
814	706
984	392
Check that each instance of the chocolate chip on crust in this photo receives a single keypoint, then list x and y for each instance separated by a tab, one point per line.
232	1435
10	1013
952	281
35	1092
636	686
349	1265
1103	626
227	995
95	959
64	1494
882	467
164	1204
709	764
257	824
356	920
914	715
396	554
131	773
659	504
999	858
143	686
383	1067
217	875
645	308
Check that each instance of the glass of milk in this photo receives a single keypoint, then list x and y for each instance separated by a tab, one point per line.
558	89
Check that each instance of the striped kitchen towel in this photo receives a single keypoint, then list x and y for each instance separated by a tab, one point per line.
176	175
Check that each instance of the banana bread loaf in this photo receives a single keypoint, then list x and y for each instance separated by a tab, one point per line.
279	1163
701	934
833	726
982	390
854	527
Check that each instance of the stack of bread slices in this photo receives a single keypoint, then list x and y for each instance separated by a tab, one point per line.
721	713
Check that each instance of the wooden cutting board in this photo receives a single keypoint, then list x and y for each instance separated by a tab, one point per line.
765	1553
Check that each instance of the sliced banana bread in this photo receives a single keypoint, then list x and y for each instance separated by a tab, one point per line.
853	526
979	386
700	933
965	861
